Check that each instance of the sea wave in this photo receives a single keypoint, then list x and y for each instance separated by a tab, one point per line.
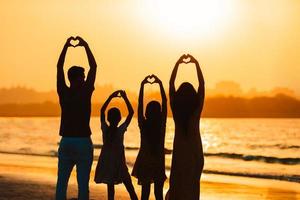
266	159
290	178
244	157
278	146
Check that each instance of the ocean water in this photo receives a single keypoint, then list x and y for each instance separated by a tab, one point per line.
262	148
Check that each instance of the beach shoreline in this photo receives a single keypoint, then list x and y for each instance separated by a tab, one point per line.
34	177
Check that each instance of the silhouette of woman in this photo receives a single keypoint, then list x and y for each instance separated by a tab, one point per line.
150	163
187	159
76	147
111	168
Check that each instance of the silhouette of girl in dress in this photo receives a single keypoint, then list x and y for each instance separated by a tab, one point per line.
150	163
111	168
187	160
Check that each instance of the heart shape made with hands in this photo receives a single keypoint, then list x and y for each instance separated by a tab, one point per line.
74	42
119	94
186	59
151	79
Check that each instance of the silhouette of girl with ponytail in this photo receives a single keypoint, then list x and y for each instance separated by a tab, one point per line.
150	163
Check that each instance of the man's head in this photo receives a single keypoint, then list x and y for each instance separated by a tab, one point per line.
76	76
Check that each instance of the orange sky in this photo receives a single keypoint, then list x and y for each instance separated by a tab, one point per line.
253	42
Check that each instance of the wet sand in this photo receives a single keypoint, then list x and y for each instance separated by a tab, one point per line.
24	177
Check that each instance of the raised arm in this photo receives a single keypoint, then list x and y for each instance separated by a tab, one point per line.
141	117
90	80
129	107
163	97
201	87
103	109
61	83
172	79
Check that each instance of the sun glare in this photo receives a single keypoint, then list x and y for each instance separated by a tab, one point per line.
189	18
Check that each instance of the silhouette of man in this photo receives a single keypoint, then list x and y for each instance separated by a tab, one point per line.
76	147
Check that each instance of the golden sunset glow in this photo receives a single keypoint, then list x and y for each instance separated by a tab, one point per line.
234	136
190	18
253	43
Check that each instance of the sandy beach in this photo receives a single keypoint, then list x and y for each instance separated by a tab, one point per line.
34	177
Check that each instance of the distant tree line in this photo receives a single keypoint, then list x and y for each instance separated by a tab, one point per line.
277	106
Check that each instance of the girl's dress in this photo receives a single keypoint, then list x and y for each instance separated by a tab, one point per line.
149	166
111	167
187	159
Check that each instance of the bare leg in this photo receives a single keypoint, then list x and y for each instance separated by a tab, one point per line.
145	191
158	190
111	191
128	184
167	195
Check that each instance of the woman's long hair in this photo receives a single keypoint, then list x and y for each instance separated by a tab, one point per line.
185	104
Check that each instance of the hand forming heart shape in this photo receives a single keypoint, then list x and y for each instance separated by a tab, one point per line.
186	59
151	79
119	94
74	41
